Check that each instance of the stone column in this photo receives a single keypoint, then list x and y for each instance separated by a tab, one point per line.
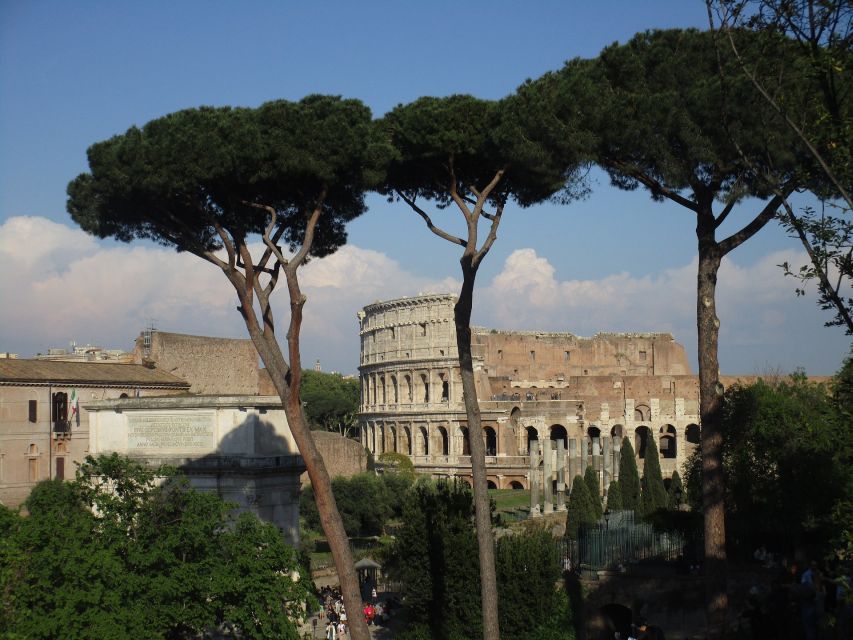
617	447
547	475
608	464
574	462
561	475
533	479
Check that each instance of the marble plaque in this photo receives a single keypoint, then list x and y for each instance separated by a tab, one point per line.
171	432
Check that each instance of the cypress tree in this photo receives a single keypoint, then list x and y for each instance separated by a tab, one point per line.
675	487
614	496
590	477
580	507
654	493
629	479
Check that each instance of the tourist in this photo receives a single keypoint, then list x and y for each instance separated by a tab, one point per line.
331	631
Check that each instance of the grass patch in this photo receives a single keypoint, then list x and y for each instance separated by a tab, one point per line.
509	499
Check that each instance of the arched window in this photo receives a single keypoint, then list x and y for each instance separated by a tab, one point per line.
425	387
445	441
382	389
593	442
642	413
409	395
558	432
641	439
532	436
491	441
394	397
392	432
617	432
692	434
668	442
466	443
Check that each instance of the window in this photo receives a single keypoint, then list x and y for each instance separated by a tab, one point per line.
500	354
423	328
60	468
567	356
642	356
33	410
60	407
532	356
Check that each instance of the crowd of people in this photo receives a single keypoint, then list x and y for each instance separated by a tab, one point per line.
333	614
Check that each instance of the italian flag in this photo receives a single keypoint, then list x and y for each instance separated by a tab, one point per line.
73	406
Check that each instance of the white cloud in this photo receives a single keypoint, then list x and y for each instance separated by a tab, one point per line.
59	285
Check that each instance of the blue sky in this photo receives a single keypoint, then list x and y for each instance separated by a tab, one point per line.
75	73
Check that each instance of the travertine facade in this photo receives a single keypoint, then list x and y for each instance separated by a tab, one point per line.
583	393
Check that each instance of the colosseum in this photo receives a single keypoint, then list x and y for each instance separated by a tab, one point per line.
583	395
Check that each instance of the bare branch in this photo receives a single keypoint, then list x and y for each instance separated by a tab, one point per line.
492	235
310	227
766	215
436	230
653	185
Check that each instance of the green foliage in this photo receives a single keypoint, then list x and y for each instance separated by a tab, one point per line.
330	401
365	501
675	488
178	177
397	463
653	490
580	508
155	562
629	478
466	139
788	463
614	496
591	478
435	557
531	607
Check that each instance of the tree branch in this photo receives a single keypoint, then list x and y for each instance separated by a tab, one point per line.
310	227
492	235
738	238
436	230
653	185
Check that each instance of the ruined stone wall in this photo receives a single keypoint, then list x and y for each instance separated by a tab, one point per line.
538	356
343	457
212	366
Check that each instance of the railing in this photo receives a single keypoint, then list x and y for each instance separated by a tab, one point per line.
603	545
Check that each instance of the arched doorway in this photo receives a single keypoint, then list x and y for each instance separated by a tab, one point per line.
692	434
668	442
466	443
445	441
422	446
392	433
515	485
593	440
558	432
532	436
491	441
641	440
617	432
491	484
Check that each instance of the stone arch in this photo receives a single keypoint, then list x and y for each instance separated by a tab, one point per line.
445	387
395	397
668	442
424	388
406	436
515	485
392	436
380	439
641	439
408	389
558	432
466	442
491	484
382	390
618	432
444	440
514	415
692	434
593	440
642	413
422	442
532	436
491	441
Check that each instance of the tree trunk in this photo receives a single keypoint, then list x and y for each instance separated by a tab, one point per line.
286	380
482	505
710	412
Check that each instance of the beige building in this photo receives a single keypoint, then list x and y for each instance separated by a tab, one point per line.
533	387
44	424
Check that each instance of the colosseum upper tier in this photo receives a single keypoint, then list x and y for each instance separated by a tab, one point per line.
534	387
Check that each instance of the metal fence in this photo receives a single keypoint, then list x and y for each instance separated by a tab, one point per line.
620	541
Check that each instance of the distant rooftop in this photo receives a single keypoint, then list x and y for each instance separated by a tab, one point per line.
85	373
